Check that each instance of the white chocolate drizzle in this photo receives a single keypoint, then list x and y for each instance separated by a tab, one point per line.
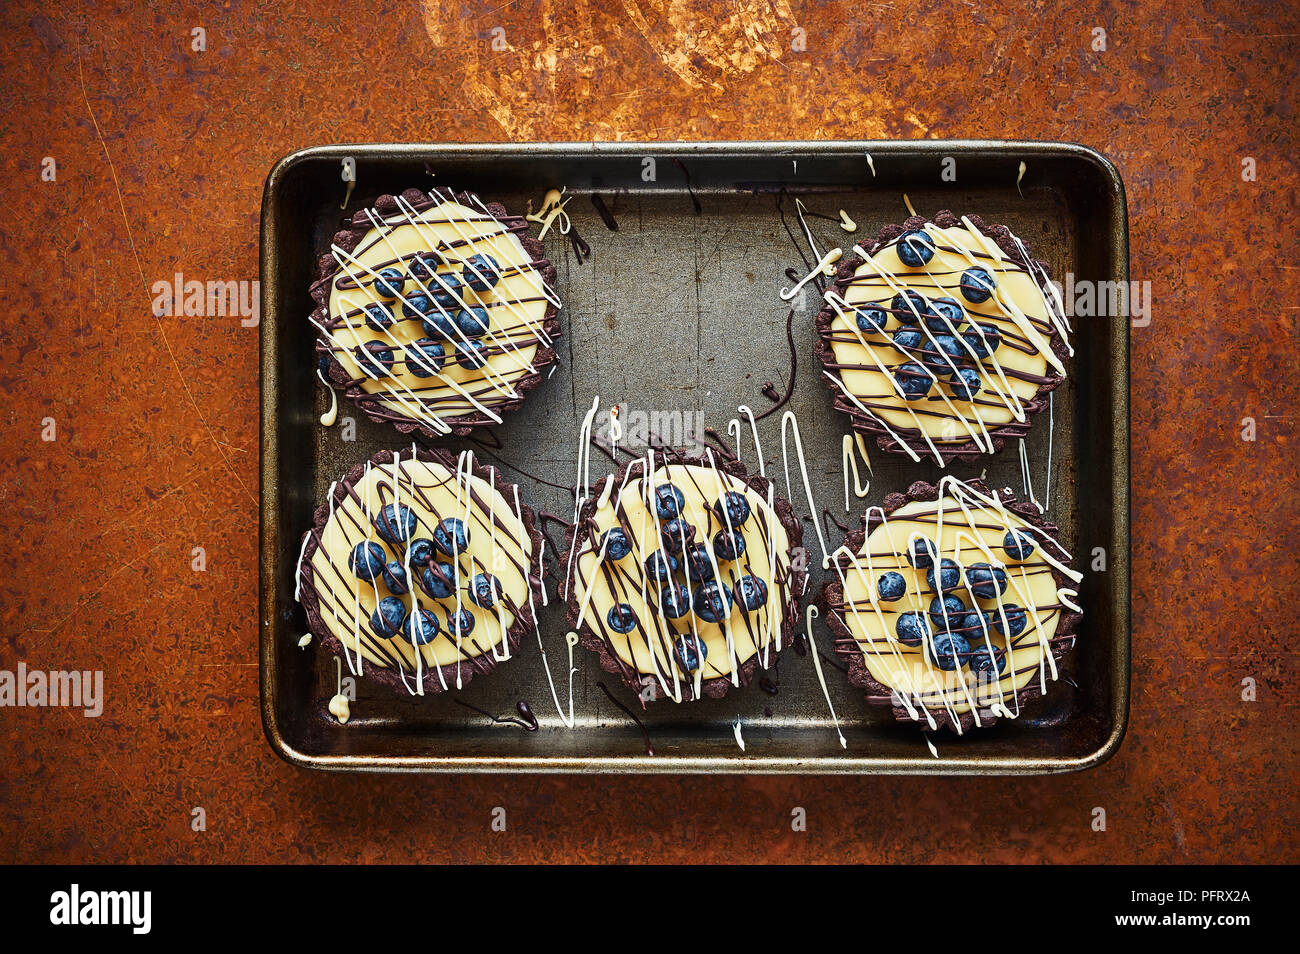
849	460
329	417
810	615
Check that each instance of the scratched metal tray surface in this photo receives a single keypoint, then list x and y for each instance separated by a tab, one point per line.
679	309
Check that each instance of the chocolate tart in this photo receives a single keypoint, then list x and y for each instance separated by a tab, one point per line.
434	312
642	585
923	673
961	364
399	509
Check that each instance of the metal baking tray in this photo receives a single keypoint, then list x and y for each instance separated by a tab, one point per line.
679	309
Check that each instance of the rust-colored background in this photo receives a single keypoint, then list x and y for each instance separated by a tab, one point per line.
161	153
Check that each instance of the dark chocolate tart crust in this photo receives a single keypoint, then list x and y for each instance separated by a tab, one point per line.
387	677
830	603
911	437
350	236
580	534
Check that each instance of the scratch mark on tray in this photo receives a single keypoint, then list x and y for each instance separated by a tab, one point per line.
144	284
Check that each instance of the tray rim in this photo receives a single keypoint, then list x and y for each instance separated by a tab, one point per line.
950	765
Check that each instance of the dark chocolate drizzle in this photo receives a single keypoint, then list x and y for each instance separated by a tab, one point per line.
713	435
514	467
691	192
581	250
794	368
829	516
528	723
645	733
602	210
544	519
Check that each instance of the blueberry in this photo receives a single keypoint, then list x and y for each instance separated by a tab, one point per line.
485	590
378	316
921	552
945	315
942	353
446	290
390	282
905	339
752	592
472	355
677	535
424	266
481	272
451	536
460	623
416	305
986	581
907	305
438	580
732	509
949	576
420	551
421	627
1017	618
891	586
973	625
915	248
621	618
395	578
472	321
729	546
977	284
947	650
660	566
697	563
1018	544
690	651
674	600
946	612
436	324
912	628
669	501
374	358
425	357
982	659
388	617
712	602
913	381
367	560
965	384
871	318
396	523
616	544
982	346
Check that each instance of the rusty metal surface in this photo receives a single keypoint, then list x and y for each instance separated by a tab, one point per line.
680	313
161	155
